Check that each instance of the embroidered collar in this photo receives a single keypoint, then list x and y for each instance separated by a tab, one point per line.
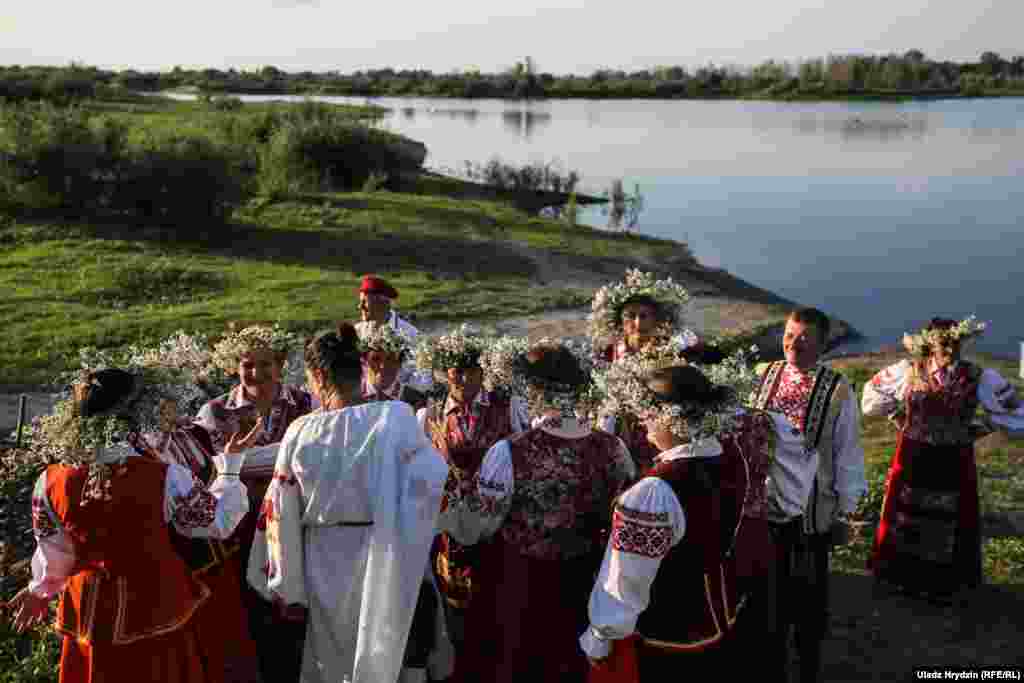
392	390
800	376
704	448
949	369
482	400
566	428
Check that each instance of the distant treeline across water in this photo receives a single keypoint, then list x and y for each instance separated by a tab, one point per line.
838	76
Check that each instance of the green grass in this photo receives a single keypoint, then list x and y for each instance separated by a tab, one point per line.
1000	481
297	262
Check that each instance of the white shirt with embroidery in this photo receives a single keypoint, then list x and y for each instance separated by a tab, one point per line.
649	521
887	390
195	511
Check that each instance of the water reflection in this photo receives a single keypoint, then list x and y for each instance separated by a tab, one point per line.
879	127
524	122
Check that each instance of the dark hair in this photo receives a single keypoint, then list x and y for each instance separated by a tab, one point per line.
941	324
106	389
687	386
813	316
336	354
644	300
552	366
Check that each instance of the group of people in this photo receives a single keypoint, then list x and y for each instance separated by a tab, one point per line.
475	508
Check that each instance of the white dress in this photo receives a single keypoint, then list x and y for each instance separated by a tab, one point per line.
345	530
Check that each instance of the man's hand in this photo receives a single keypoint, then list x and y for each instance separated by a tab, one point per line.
238	443
29	610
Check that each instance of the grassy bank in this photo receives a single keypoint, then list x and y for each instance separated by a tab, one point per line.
295	261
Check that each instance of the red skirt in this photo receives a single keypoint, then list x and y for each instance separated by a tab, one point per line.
526	619
175	657
223	626
929	538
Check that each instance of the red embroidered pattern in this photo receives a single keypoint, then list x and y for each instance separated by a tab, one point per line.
266	514
286	478
640	538
792	395
196	510
227	413
563	493
42	524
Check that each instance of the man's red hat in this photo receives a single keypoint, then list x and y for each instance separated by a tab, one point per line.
375	285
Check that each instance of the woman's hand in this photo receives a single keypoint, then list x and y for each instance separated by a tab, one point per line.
29	610
238	443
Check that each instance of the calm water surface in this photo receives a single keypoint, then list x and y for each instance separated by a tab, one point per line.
882	214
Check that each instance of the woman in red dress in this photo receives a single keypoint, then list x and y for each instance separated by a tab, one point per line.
128	601
929	537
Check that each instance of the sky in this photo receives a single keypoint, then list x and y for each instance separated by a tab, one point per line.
561	36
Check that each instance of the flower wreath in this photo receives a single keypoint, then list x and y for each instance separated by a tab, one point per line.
505	364
605	318
920	345
459	348
386	339
228	351
66	436
623	391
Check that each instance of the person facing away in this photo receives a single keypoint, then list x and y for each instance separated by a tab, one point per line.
665	600
128	602
541	507
347	522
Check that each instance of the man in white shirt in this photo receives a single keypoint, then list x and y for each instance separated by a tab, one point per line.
809	496
375	297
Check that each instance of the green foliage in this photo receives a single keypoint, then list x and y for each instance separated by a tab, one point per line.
535	177
30	657
74	160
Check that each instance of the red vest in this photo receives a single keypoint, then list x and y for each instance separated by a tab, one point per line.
128	582
693	598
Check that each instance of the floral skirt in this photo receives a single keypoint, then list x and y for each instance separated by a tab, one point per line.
929	538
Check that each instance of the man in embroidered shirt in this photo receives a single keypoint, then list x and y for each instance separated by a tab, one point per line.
375	297
822	410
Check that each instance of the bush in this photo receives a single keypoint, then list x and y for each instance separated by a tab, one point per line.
535	177
316	149
72	160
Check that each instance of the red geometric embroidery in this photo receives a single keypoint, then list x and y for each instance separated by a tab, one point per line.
640	539
197	510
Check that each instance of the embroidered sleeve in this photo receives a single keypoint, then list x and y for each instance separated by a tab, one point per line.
54	556
198	511
648	521
218	421
480	513
884	394
848	457
276	564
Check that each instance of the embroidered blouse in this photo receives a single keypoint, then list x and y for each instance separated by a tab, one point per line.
648	522
224	415
791	398
568	475
195	511
890	393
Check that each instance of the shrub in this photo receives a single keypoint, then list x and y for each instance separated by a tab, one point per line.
73	160
538	176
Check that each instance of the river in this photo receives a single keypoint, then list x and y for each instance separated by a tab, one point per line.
883	214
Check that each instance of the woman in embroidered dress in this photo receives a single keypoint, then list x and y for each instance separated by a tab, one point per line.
476	411
929	539
665	600
639	315
541	507
100	521
347	523
387	374
260	401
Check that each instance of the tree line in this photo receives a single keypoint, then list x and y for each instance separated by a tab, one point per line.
909	74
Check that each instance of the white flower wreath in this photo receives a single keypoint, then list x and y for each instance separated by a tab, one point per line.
921	344
606	309
386	339
504	363
229	350
623	391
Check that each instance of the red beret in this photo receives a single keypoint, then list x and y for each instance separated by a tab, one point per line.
375	285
